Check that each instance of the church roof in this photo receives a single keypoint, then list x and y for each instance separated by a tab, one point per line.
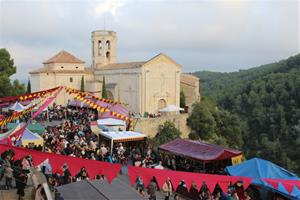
124	65
63	57
47	70
129	65
189	79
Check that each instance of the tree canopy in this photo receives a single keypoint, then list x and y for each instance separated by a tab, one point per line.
167	132
266	99
7	69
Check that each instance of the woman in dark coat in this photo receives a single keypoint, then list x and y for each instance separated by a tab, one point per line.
21	179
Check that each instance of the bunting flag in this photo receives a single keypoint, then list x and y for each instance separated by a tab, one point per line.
102	109
30	96
188	177
16	115
75	91
110	171
289	185
45	102
91	103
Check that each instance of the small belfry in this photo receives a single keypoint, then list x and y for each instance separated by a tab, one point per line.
103	48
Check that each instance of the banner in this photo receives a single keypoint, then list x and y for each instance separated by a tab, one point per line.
176	176
109	170
18	132
289	185
30	96
75	91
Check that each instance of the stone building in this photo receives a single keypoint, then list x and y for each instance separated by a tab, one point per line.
189	85
146	86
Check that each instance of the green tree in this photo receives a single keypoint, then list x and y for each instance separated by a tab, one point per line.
18	88
28	91
104	93
7	69
263	108
167	132
6	63
201	122
82	84
182	100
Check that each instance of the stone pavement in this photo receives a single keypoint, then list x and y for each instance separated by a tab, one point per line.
12	194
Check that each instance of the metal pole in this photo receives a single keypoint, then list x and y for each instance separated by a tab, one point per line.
111	147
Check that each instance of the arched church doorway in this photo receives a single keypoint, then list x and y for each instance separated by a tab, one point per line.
162	104
110	95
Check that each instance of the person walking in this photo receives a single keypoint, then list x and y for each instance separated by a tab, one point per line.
152	187
8	172
167	189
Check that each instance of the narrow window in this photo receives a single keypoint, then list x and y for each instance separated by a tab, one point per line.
99	47
71	79
108	55
108	45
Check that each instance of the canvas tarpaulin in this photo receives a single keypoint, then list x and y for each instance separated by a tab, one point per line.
262	171
198	150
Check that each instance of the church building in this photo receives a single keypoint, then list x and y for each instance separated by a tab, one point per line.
146	86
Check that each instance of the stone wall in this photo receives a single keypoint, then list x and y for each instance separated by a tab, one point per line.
149	126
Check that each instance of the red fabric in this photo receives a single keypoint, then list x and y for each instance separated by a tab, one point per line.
198	150
288	184
110	171
41	108
33	95
188	177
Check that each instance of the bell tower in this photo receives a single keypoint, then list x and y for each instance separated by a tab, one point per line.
103	48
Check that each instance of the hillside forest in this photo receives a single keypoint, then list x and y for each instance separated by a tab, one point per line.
259	108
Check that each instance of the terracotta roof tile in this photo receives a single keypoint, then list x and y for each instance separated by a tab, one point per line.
46	70
63	57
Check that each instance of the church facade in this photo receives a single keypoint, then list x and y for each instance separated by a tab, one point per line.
146	86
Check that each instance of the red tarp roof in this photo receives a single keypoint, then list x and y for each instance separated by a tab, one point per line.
199	150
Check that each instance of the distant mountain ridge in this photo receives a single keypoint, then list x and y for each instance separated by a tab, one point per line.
267	100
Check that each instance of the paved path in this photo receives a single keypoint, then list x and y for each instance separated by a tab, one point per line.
12	194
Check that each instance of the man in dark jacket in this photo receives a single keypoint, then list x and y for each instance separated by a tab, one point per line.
152	187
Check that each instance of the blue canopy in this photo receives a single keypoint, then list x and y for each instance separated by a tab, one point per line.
258	168
28	135
17	107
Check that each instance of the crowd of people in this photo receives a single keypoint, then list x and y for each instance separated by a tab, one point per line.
73	137
18	170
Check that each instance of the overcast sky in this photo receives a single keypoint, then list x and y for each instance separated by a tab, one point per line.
200	35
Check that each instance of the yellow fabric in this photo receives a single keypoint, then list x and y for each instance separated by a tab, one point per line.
237	159
36	142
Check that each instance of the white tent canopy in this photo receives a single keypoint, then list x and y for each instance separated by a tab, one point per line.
17	107
170	108
120	136
110	122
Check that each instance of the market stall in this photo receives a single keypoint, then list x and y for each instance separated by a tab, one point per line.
120	136
208	156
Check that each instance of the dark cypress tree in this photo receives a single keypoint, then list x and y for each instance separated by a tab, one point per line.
104	93
82	84
28	91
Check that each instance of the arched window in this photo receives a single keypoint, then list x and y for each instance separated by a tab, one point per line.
108	55
99	47
108	45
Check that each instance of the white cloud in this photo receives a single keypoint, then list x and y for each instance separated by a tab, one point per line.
108	6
